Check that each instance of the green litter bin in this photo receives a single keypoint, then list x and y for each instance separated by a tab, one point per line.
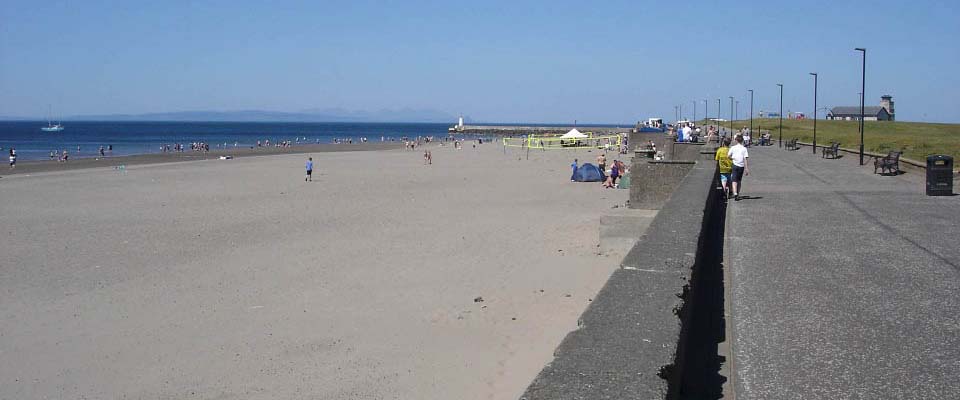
624	182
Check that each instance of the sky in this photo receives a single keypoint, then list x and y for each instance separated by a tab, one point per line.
494	61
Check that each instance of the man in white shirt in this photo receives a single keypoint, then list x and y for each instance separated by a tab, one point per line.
739	155
686	133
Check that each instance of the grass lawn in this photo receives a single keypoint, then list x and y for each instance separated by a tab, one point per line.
916	139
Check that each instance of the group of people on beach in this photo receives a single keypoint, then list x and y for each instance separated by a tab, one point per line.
202	147
609	177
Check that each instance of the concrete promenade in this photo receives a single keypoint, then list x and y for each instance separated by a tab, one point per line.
841	284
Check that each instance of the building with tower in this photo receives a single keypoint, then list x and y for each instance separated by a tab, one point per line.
883	112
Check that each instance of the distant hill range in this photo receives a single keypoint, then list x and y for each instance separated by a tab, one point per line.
311	115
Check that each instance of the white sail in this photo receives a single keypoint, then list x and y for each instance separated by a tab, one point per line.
51	127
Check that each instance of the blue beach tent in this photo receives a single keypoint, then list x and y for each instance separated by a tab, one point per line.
588	173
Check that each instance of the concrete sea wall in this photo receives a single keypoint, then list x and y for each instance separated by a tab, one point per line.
649	332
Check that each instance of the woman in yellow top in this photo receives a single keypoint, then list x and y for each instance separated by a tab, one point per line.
724	164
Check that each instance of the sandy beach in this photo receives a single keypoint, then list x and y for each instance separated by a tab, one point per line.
235	279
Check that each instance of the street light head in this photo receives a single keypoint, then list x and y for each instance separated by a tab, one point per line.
813	73
860	49
780	84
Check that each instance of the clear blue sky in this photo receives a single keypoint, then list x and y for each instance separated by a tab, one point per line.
551	61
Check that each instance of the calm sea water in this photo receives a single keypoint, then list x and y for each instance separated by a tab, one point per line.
130	138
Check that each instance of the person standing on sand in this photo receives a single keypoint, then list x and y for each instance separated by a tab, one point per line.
602	163
13	157
739	155
574	174
724	164
309	170
614	173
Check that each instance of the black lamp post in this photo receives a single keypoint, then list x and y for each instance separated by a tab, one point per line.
781	116
718	116
681	111
731	115
706	114
694	111
814	112
751	112
863	93
737	108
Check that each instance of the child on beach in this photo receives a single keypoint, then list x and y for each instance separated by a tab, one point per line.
574	174
309	170
724	164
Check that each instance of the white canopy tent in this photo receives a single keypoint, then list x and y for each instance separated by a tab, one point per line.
574	134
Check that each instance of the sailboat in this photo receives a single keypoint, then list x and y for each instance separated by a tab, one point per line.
51	127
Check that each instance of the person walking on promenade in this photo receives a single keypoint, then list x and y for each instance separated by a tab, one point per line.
739	155
309	170
574	166
724	164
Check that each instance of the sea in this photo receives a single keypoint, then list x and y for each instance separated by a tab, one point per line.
131	138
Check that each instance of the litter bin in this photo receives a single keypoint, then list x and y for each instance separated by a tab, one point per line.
939	175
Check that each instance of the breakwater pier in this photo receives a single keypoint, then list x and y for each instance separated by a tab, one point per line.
526	130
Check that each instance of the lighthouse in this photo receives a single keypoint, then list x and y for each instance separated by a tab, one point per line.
460	123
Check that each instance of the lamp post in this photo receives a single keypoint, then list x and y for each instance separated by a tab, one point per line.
681	111
706	114
731	115
859	128
780	140
751	112
694	111
718	116
737	108
863	93
676	116
814	112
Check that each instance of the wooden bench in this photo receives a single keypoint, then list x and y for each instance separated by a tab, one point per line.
833	150
791	144
888	164
646	152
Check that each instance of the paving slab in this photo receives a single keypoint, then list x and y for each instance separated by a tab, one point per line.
843	284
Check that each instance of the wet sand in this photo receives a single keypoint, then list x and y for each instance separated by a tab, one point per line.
36	166
236	279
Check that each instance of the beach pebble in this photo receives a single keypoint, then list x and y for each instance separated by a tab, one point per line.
568	295
478	299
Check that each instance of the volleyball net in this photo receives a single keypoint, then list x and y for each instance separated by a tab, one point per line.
548	142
